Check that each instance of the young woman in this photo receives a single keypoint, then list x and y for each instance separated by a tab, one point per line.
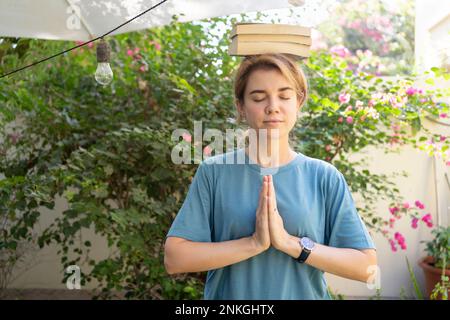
269	229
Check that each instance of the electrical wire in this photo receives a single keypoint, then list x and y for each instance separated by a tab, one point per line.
83	44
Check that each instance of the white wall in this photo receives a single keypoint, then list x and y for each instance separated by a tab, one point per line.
432	33
420	185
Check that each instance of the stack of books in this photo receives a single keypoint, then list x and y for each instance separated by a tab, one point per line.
258	38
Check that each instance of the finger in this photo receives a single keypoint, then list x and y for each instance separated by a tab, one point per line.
271	198
272	188
266	187
263	190
273	194
263	194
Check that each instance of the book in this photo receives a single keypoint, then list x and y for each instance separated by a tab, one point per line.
239	48
267	28
274	38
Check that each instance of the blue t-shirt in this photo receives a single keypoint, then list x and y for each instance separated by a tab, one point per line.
313	199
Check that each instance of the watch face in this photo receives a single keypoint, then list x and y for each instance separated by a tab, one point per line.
307	243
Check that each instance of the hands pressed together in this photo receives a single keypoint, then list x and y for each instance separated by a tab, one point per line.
269	228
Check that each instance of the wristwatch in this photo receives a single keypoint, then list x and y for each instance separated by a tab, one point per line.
307	246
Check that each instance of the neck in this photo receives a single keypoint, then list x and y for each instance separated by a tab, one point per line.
274	153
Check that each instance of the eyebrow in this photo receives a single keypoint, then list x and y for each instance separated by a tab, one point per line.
262	91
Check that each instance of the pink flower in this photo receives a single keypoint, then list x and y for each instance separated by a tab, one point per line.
406	205
447	163
411	91
349	120
391	223
442	115
349	108
426	218
340	51
328	148
90	44
344	97
142	68
130	52
340	119
400	240
419	204
355	24
187	137
368	53
136	50
414	223
393	247
393	210
156	44
442	138
207	150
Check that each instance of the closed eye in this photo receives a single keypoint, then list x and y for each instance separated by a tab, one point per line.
282	98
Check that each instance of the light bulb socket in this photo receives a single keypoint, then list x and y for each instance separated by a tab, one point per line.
103	51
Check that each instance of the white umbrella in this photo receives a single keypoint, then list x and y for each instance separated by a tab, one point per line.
85	20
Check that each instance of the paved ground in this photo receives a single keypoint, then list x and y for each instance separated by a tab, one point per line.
45	294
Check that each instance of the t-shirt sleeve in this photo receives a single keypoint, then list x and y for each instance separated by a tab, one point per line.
193	221
344	226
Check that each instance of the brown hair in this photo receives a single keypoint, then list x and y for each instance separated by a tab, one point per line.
281	62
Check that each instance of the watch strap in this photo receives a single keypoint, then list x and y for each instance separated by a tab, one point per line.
303	256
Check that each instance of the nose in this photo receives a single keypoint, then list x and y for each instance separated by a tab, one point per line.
272	107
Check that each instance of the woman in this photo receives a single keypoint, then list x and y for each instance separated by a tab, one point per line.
269	230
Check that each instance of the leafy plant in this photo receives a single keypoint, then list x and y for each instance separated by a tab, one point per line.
413	278
439	246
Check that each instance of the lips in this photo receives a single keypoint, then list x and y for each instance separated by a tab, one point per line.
273	121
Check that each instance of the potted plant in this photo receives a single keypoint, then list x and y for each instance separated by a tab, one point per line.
436	265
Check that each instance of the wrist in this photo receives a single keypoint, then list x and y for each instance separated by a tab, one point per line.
255	246
292	246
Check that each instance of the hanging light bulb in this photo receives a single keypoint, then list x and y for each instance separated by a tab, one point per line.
103	74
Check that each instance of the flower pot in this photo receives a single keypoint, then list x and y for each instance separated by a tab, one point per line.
432	274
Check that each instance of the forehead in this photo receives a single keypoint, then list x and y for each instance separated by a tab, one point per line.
262	79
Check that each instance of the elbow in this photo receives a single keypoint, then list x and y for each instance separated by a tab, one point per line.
168	263
371	269
171	256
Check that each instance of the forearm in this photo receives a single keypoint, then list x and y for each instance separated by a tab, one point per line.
348	263
189	256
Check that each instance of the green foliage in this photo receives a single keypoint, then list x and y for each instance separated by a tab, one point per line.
335	295
106	150
413	278
439	247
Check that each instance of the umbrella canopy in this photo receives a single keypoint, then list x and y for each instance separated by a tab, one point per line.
86	20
